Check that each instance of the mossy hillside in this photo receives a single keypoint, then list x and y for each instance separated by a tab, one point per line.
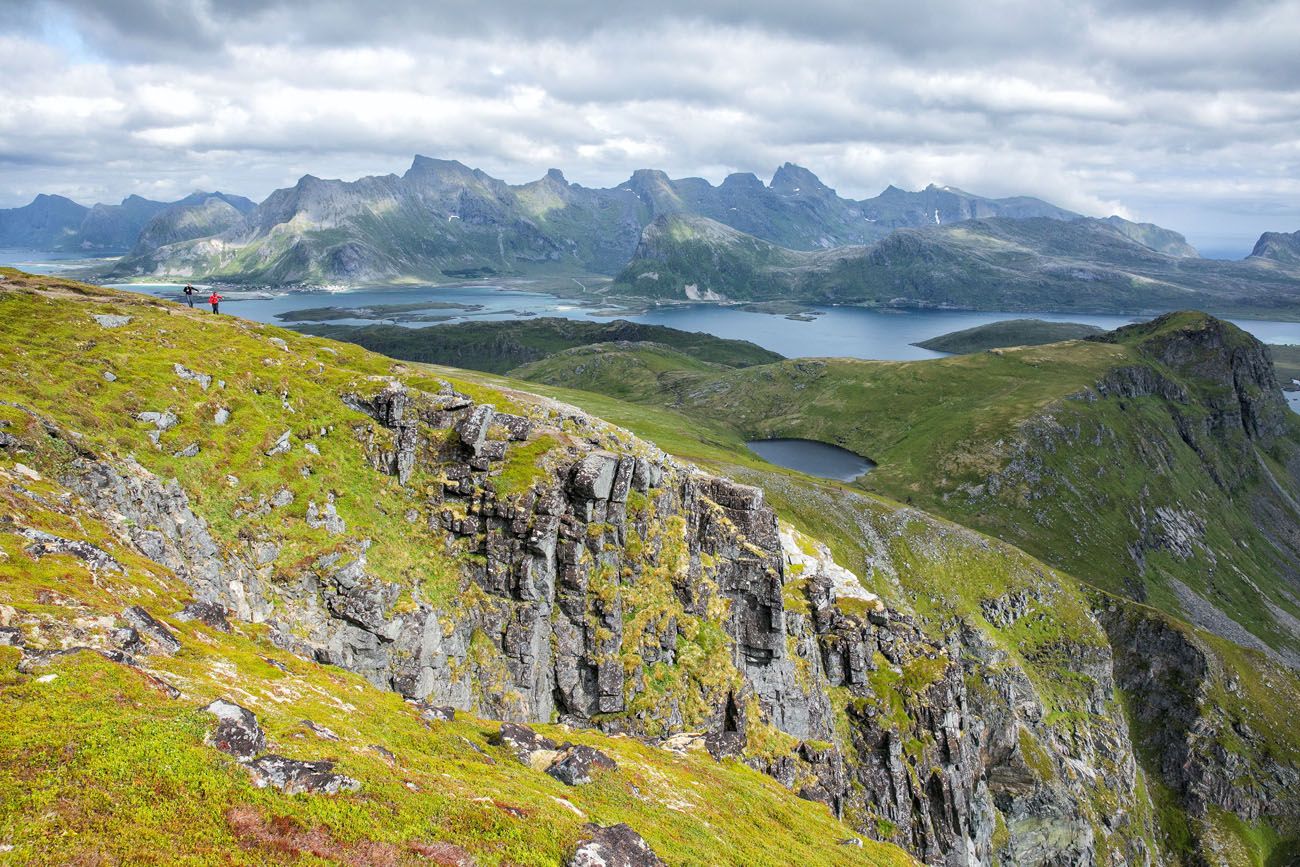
678	251
271	384
1245	707
108	768
53	357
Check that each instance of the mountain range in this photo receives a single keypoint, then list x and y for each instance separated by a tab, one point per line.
443	220
661	239
58	223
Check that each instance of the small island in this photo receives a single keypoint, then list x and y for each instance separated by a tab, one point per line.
1009	332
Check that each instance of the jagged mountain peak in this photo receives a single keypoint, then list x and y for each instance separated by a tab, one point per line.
421	163
795	179
47	199
1279	247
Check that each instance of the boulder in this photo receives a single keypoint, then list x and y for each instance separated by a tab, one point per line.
222	416
185	373
108	320
237	732
523	741
294	777
190	451
320	731
592	478
281	445
326	518
164	420
45	544
575	766
207	613
145	623
615	846
432	712
473	429
518	427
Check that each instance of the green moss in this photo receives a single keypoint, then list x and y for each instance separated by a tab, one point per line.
1035	756
524	466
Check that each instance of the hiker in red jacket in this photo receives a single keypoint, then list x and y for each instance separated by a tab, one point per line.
214	299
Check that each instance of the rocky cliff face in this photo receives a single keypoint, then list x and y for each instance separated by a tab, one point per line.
617	588
1204	748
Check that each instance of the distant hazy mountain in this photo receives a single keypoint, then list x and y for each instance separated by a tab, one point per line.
792	238
196	216
1278	247
999	263
442	219
115	227
57	223
45	224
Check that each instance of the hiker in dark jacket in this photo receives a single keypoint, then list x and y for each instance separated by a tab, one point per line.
190	292
214	299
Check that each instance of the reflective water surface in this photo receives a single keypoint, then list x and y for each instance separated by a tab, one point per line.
814	458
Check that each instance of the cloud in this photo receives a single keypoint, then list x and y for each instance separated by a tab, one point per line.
1183	113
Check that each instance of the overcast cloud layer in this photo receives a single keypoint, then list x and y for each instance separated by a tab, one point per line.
1184	114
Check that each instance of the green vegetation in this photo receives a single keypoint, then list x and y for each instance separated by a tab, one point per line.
497	347
1011	332
112	770
1016	443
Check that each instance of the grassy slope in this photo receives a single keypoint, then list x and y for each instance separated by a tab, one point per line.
132	744
1012	332
903	415
496	347
938	568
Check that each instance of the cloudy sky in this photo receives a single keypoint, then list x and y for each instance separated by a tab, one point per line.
1182	113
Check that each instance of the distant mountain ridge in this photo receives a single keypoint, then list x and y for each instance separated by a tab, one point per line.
995	263
58	223
686	239
442	219
1278	247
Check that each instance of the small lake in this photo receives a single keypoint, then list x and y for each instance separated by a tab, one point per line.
812	457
